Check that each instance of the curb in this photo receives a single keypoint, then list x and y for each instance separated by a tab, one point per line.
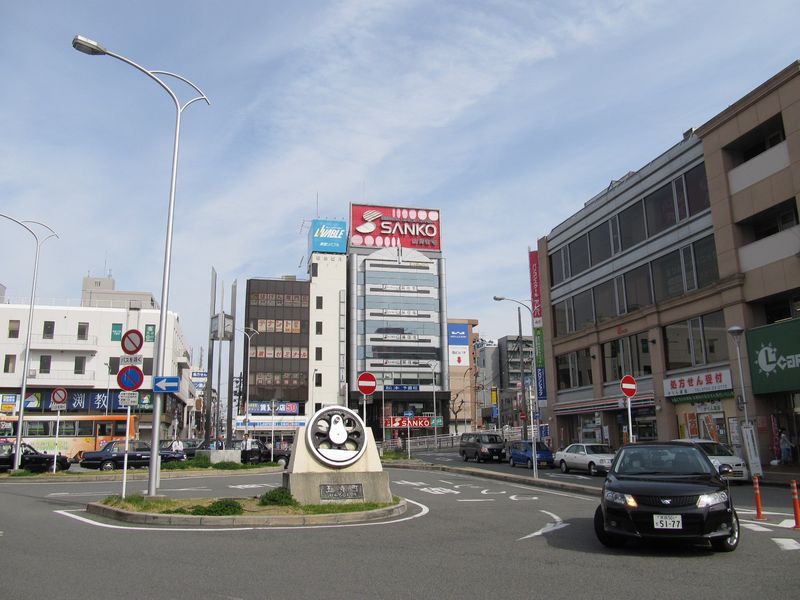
246	520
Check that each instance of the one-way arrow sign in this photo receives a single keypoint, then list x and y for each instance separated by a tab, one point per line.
169	383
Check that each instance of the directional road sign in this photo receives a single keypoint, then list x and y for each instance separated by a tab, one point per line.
168	383
367	383
628	385
130	378
132	341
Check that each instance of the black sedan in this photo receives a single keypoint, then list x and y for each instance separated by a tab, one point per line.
260	452
112	456
666	490
31	460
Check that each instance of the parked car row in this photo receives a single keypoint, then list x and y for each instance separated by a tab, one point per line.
31	459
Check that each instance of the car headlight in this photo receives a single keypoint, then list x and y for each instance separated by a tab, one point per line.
619	498
712	499
605	461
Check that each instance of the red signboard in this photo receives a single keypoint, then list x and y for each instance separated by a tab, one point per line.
628	386
404	422
386	226
367	383
536	289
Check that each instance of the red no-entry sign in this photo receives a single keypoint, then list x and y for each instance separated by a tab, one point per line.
367	383
628	386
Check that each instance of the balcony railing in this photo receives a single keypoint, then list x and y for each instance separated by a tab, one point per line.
759	167
63	341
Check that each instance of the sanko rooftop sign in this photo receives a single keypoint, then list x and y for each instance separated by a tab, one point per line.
385	226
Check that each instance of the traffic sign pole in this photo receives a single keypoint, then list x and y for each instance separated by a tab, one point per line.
125	458
55	452
628	386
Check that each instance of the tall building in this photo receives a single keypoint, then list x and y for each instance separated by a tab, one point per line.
515	359
650	275
277	368
464	406
487	382
397	314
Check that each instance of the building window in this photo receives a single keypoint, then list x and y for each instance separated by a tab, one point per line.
760	139
147	366
80	365
44	364
319	327
48	330
13	329
574	369
582	307
637	288
562	315
705	261
319	302
696	189
579	255
10	363
314	269
771	221
660	210
318	379
600	243
698	341
626	356
631	226
317	353
668	277
605	301
559	266
83	331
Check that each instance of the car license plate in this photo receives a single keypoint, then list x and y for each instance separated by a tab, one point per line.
667	522
542	463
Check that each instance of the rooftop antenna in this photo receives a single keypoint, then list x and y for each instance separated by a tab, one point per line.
302	260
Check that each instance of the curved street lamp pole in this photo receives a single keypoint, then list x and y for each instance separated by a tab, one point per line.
432	365
21	413
533	394
91	47
248	332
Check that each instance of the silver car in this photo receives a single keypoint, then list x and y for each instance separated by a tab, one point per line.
594	458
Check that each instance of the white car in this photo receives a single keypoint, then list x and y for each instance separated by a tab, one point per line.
594	458
721	454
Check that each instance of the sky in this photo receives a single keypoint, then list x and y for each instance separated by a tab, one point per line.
505	115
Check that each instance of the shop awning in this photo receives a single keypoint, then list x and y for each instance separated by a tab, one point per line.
574	408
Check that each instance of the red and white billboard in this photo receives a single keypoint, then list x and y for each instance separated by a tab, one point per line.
536	287
387	226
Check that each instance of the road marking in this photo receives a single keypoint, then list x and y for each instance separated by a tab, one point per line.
787	523
487	492
477	500
787	544
755	527
557	524
515	497
404	482
77	494
424	510
192	489
247	486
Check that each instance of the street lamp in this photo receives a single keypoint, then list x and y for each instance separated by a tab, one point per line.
91	47
21	413
736	333
533	394
248	332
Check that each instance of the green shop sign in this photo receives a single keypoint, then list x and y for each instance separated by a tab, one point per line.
774	355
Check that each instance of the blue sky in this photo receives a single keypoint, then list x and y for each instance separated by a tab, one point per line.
505	115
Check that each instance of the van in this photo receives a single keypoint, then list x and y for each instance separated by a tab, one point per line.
482	446
520	453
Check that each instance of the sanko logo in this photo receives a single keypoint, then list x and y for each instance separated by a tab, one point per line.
325	231
769	360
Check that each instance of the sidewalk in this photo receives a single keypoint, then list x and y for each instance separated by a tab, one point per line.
781	475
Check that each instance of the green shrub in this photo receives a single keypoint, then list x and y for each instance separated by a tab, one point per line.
228	465
200	461
278	497
219	508
394	455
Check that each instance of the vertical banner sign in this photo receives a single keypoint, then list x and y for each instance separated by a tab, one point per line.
116	332
538	332
458	344
149	333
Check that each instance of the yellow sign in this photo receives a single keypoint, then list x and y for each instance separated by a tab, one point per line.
494	396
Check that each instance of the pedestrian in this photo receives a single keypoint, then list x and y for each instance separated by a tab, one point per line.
786	447
247	443
220	442
177	445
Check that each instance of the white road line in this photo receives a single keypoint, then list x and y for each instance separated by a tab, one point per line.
192	489
515	497
247	486
557	524
477	500
787	544
488	493
755	527
78	494
787	523
68	513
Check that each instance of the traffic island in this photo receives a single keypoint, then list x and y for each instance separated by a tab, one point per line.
166	512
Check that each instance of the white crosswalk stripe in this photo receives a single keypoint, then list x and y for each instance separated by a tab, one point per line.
787	544
754	527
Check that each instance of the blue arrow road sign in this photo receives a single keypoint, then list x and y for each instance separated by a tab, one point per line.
169	383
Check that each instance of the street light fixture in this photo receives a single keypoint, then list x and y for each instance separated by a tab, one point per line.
248	332
533	394
87	46
736	333
23	390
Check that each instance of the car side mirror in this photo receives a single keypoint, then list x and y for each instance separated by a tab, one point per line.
725	469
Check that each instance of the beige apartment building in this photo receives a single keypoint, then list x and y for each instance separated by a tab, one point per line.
649	277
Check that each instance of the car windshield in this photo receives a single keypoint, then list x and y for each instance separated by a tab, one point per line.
661	461
598	449
715	449
490	439
541	447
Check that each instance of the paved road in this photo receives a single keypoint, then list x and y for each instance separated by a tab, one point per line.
464	537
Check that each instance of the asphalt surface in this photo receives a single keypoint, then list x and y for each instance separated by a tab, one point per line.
463	537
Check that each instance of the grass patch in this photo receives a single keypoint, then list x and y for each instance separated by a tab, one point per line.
22	473
278	497
394	455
